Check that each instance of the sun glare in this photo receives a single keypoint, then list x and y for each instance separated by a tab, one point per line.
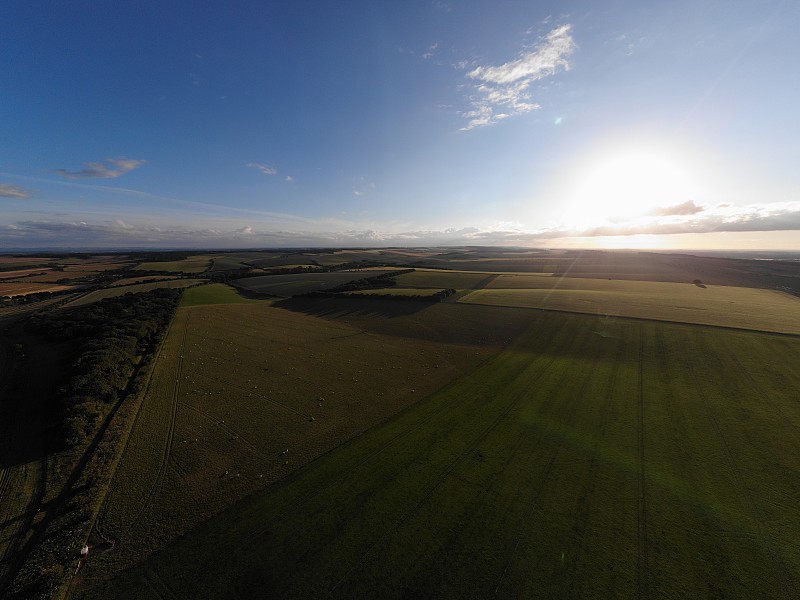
626	186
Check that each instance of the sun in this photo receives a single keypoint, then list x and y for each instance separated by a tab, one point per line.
626	186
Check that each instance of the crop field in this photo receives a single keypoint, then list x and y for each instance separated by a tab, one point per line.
22	273
588	459
111	292
301	283
432	278
193	264
748	308
25	287
244	394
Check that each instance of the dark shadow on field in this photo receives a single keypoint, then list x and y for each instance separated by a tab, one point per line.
336	308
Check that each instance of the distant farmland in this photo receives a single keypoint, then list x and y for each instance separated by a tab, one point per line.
302	283
132	289
589	459
192	264
748	308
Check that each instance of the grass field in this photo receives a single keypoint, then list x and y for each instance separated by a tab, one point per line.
589	459
112	292
215	293
192	264
747	308
239	384
301	283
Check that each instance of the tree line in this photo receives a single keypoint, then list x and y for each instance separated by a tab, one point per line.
109	336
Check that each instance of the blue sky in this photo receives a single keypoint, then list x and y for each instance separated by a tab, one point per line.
256	124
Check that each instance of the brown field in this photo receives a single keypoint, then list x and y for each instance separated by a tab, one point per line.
22	273
11	290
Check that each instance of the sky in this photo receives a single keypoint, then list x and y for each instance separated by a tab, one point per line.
257	124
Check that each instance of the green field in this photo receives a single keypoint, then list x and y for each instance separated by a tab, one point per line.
215	293
236	385
748	308
589	459
192	264
131	289
301	283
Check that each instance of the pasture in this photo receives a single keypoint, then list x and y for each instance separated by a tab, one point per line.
215	293
747	308
590	458
244	394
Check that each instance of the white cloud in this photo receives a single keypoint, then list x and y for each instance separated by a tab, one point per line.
287	231
8	190
430	51
266	169
289	179
503	91
119	166
685	208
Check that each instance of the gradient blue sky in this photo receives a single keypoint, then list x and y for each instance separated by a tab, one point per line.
254	124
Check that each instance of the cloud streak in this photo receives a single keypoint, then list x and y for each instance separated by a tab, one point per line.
686	208
266	169
8	190
504	91
117	168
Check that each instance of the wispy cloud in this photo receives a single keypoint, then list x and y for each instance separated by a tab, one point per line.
8	190
266	169
504	91
289	179
116	167
430	51
362	188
